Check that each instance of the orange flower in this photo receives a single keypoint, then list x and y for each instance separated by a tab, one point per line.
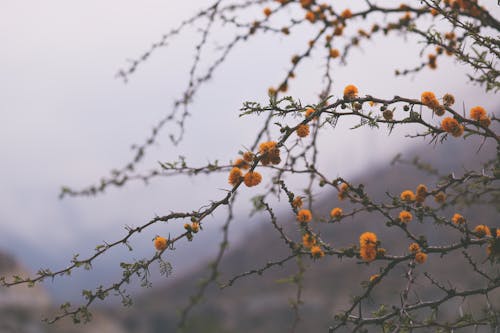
252	178
477	113
421	193
452	126
235	176
405	216
339	29
248	156
316	252
336	212
334	53
160	243
342	191
302	130
429	99
420	257
309	111
450	35
367	239
346	14
458	219
350	92
388	114
308	241
297	202
270	153
407	196
440	197
195	227
448	99
241	163
482	230
432	61
414	247
267	11
368	253
310	17
304	216
266	147
421	189
374	277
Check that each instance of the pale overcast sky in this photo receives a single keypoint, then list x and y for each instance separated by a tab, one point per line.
66	119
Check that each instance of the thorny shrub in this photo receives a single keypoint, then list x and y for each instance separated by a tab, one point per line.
286	146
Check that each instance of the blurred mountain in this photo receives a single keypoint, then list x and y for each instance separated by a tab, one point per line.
22	309
262	303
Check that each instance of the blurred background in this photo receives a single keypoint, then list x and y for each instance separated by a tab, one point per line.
67	120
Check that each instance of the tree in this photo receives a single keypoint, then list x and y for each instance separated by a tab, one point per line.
286	147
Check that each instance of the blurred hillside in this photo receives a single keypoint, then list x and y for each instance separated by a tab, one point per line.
22	309
262	303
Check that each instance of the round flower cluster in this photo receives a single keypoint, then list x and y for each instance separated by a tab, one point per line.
346	14
334	53
193	227
270	153
160	243
302	130
248	156
308	241
478	113
429	99
336	213
343	188
458	219
405	216
420	257
448	99
350	92
309	111
368	246
440	197
297	202
414	248
407	196
304	216
432	61
252	178
317	252
482	231
452	126
421	193
242	164
235	176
